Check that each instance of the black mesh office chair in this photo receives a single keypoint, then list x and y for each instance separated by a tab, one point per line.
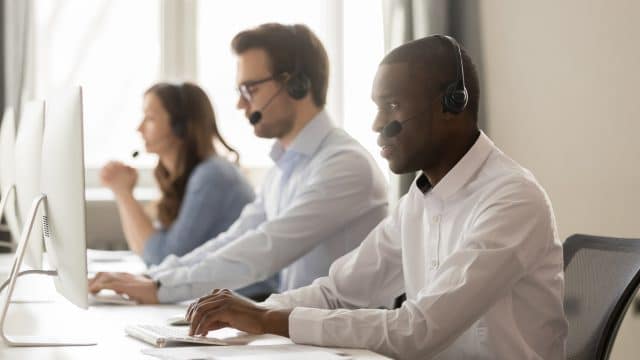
601	277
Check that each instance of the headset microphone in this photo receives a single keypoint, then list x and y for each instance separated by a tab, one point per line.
394	127
256	116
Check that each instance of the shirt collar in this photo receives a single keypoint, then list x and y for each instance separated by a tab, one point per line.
462	172
309	138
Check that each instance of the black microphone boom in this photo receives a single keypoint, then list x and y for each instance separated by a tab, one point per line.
394	127
256	116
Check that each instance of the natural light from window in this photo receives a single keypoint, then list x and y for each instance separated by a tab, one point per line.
113	49
361	50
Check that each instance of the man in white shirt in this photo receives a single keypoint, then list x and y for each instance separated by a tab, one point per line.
473	244
323	197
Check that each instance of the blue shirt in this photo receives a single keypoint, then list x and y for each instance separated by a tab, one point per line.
215	195
319	202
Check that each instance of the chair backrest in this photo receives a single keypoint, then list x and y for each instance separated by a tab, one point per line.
601	277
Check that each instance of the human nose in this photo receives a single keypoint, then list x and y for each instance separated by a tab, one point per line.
379	122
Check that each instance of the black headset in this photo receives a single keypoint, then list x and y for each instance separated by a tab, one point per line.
298	83
454	99
455	96
179	120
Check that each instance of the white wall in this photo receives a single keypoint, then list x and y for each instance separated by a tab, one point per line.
561	87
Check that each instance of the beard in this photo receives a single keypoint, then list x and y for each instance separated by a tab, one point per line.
275	126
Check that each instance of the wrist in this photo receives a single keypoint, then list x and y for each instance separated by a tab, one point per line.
123	194
276	322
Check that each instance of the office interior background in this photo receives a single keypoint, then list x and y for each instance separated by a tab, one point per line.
559	84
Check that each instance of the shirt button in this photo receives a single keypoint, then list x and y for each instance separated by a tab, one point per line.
436	219
434	264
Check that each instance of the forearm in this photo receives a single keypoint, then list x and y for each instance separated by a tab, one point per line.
276	321
136	224
187	282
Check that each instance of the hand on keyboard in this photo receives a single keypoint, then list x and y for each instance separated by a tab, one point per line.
110	297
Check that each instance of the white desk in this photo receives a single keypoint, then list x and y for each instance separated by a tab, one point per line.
105	323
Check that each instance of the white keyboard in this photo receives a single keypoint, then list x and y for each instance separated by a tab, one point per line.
158	335
109	297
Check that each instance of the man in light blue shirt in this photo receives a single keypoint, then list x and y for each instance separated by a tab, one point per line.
322	197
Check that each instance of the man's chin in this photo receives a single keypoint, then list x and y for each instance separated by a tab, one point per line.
265	132
396	168
261	133
399	168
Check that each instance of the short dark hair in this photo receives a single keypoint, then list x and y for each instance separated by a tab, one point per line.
290	48
438	52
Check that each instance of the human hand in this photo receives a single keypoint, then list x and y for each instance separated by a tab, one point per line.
139	288
120	178
223	308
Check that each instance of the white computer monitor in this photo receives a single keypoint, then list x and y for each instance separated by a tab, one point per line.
62	182
28	152
7	172
63	220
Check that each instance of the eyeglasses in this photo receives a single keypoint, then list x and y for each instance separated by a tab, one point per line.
247	88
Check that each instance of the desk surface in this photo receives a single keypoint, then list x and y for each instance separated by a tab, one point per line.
47	313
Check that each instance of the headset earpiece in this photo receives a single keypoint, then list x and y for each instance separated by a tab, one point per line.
298	85
455	96
178	128
454	100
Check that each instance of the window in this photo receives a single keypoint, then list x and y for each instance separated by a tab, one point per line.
216	63
363	50
354	44
112	49
116	49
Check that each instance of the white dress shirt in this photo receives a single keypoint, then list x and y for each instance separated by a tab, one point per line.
319	202
479	258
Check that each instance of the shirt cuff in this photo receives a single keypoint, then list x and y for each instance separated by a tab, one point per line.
305	325
172	291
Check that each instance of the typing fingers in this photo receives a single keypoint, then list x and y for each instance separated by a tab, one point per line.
107	281
96	283
203	310
212	321
199	301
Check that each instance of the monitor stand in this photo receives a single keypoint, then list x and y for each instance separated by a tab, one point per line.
29	341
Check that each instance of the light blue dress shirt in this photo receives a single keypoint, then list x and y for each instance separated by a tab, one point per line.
322	198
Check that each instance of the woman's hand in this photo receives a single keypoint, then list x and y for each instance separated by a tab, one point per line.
118	177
